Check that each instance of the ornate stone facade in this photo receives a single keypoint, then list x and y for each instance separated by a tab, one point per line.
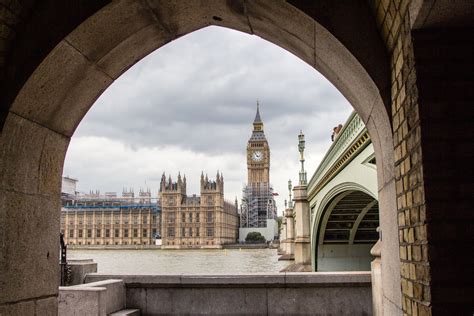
206	221
108	224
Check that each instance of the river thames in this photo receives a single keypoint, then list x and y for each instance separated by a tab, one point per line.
215	261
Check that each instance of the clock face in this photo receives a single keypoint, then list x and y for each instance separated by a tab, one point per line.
257	156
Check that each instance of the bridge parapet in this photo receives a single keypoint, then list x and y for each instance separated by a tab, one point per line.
352	138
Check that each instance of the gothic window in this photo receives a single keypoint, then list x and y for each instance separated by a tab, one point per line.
71	233
171	218
135	219
183	217
190	232
117	233
153	219
97	233
145	219
89	219
209	217
80	233
145	232
125	233
117	218
210	232
107	233
190	217
135	232
197	231
171	232
89	233
197	217
79	219
183	232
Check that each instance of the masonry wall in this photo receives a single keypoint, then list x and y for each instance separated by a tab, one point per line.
343	293
431	91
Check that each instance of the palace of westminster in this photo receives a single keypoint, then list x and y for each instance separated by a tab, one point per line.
173	219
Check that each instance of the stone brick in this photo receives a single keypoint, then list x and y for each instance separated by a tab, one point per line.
416	252
420	232
47	306
424	310
403	253
411	235
408	306
22	308
422	272
426	293
409	196
412	271
401	219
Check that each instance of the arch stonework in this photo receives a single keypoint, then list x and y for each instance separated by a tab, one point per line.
342	255
66	83
49	91
317	210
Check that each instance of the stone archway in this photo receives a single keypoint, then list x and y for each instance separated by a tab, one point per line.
57	95
346	231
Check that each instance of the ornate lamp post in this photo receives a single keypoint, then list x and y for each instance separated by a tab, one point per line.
290	201
301	146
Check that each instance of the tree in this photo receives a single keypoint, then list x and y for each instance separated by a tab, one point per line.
255	238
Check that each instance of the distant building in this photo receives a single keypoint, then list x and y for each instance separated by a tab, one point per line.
206	221
258	208
68	188
94	219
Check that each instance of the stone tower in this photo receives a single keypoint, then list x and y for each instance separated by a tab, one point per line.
258	154
258	205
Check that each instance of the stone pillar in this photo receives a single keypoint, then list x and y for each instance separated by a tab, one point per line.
290	232
376	278
282	248
302	238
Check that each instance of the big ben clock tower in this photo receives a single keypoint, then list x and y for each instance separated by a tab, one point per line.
258	207
258	154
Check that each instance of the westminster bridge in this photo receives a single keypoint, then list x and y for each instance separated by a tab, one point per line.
342	196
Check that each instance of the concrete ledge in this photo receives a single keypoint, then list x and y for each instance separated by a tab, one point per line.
81	301
306	279
316	293
96	298
79	269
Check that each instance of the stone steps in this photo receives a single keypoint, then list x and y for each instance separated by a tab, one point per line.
126	312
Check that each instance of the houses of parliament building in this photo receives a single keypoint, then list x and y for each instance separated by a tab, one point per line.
175	219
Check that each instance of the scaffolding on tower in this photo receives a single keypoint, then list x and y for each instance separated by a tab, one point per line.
258	205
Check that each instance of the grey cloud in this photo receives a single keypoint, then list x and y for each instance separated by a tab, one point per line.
199	93
197	96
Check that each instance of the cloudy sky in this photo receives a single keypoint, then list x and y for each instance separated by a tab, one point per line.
189	106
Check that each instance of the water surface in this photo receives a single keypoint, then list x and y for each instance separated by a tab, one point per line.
215	261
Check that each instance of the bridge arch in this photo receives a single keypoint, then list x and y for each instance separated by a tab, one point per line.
338	199
46	109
